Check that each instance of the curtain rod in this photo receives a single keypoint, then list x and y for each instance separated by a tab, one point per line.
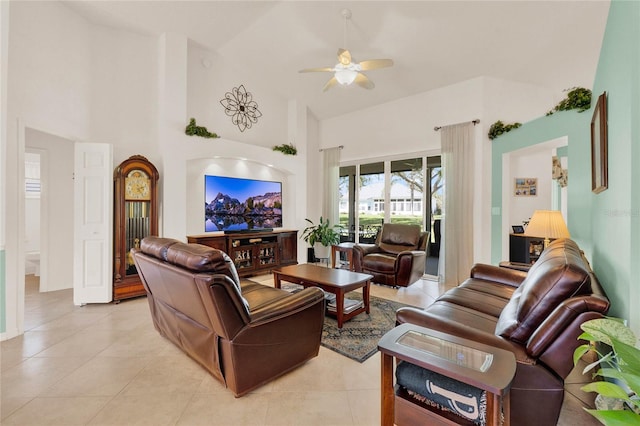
476	121
339	147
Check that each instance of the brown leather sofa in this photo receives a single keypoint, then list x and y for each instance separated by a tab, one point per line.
244	333
535	315
397	258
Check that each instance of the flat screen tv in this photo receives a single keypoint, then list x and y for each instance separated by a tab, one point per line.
236	204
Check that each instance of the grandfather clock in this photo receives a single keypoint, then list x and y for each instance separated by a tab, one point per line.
135	217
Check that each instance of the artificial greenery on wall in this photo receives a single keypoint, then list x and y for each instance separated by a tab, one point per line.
577	98
193	130
499	128
287	149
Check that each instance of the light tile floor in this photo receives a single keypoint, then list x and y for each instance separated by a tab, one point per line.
106	365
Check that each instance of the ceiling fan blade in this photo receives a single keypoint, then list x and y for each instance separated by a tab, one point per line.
373	64
363	81
323	69
344	57
330	84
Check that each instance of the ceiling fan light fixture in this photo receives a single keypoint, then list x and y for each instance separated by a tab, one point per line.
347	72
345	76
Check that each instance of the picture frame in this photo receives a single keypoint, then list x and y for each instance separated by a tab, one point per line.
599	146
525	187
518	229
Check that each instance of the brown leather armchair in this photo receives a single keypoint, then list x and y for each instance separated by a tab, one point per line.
244	333
397	258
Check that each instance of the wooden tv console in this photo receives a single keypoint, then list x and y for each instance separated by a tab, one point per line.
256	252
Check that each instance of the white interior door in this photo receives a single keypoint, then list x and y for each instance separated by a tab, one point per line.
93	223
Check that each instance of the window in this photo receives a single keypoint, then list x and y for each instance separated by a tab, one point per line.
32	186
389	191
407	183
371	201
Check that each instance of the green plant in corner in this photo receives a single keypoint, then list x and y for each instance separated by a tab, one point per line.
322	233
621	363
577	98
499	128
287	149
193	130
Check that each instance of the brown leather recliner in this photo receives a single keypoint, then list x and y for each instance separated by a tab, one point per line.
536	315
244	333
397	258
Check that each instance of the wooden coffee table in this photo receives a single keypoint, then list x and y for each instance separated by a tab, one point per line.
336	281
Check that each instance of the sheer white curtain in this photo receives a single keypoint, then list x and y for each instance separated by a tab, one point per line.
331	194
456	253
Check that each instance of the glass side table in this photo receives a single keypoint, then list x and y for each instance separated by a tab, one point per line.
485	367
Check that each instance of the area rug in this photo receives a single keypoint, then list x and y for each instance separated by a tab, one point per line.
358	338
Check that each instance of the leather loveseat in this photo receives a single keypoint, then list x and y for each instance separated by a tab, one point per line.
397	258
535	315
244	333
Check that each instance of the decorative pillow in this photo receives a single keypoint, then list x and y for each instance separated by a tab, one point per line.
443	392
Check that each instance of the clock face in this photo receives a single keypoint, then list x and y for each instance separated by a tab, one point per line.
137	186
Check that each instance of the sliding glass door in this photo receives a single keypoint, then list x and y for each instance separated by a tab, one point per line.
371	201
390	191
406	190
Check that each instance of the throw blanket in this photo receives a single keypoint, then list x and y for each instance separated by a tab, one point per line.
443	392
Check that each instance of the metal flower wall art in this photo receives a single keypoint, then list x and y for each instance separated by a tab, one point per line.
240	106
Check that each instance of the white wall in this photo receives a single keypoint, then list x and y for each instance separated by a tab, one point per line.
404	125
209	78
124	89
530	165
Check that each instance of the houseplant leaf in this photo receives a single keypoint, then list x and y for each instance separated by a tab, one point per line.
615	417
632	380
606	389
629	355
602	329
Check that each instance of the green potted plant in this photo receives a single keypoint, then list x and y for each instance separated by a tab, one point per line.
621	364
321	237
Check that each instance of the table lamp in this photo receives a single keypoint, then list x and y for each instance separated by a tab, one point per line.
547	224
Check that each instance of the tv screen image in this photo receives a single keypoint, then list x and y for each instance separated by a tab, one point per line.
236	204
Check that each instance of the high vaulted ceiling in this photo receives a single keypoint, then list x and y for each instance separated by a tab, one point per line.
552	44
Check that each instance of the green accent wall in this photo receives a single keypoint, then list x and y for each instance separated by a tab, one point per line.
3	294
576	127
605	225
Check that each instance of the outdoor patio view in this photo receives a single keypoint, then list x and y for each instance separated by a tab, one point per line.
399	190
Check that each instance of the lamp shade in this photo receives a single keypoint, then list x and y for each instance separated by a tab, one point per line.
547	224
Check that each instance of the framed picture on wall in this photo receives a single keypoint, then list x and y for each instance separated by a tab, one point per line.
525	187
599	149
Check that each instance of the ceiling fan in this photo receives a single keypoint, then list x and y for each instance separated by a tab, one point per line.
347	71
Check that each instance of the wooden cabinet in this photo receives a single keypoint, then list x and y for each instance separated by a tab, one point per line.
524	248
135	216
254	253
288	247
